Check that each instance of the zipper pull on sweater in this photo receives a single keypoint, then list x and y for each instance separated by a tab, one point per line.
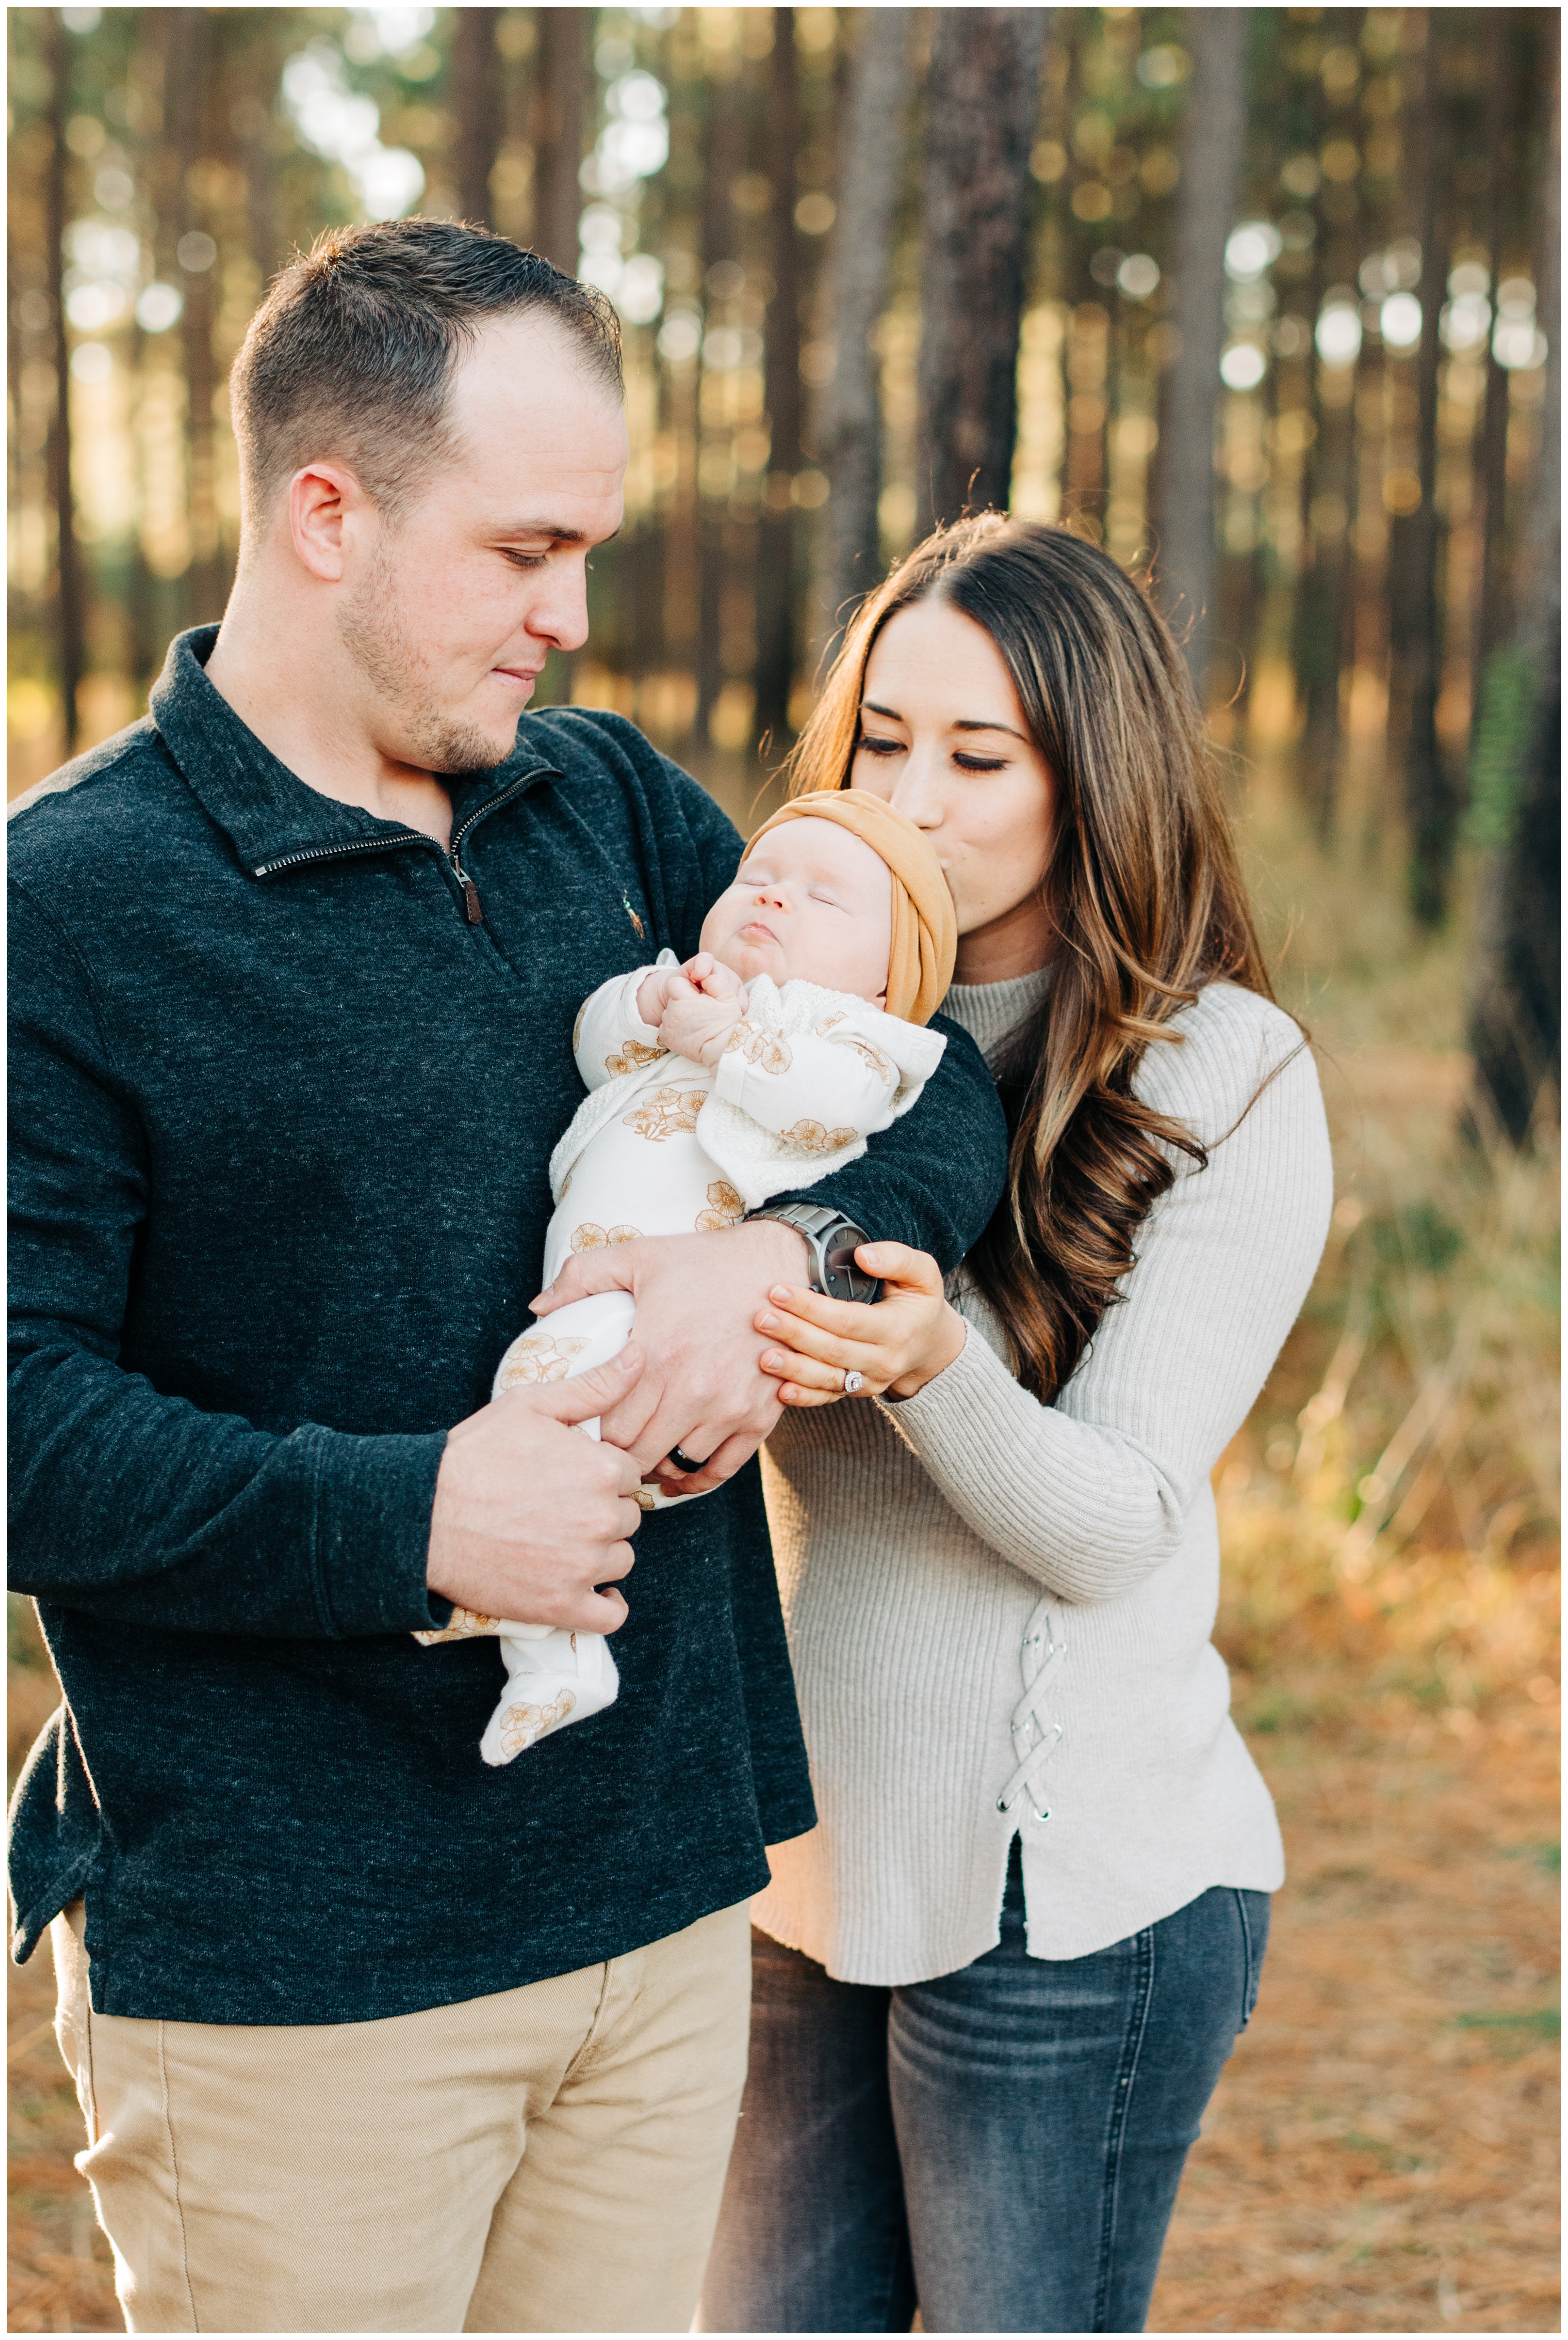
471	901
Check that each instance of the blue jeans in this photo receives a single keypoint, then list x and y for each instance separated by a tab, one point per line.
1001	2147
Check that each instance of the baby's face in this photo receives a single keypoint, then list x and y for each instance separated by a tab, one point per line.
813	901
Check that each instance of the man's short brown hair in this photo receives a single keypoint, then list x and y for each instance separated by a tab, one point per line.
353	352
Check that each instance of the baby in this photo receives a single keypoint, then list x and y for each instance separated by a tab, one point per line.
762	1064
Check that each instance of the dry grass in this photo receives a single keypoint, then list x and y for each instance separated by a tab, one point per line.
1381	2152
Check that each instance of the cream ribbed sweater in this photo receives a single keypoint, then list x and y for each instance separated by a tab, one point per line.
988	1598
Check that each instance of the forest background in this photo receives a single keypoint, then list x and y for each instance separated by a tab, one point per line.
1267	301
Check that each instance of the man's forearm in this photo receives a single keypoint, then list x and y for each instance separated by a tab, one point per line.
933	1179
139	1507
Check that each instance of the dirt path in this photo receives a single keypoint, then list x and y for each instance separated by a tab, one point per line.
1381	2156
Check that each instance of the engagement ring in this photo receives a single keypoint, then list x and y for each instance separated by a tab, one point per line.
852	1381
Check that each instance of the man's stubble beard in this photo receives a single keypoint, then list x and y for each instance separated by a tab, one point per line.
370	628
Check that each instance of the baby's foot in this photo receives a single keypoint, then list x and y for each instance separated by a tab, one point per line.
522	1719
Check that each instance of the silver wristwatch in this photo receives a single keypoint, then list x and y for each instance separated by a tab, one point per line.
830	1240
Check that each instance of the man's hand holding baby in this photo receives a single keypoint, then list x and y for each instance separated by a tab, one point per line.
698	1007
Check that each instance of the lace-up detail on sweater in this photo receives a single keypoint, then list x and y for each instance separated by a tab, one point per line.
1035	1731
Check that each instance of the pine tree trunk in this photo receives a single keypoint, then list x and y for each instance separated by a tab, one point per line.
13	459
1205	204
724	149
1317	617
561	98
476	89
69	616
562	95
1323	631
983	103
1329	589
782	359
261	204
1492	625
1414	622
1516	1009
185	80
870	156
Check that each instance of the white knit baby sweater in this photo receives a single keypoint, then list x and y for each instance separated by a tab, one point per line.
988	1598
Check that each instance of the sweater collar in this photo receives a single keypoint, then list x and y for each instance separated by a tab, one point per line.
992	1012
264	808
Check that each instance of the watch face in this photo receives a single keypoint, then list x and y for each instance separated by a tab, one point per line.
845	1279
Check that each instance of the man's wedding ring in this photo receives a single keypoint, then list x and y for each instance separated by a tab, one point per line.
683	1462
852	1381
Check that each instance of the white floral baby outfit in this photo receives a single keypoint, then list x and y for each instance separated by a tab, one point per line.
663	1146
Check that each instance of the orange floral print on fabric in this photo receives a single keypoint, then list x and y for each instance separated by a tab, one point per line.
539	1357
589	1238
765	1050
632	1057
725	1208
666	1112
883	1067
812	1135
465	1625
523	1726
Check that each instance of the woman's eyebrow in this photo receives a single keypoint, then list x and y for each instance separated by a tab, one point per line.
963	723
969	724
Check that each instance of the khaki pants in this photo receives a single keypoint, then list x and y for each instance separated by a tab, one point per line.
549	2159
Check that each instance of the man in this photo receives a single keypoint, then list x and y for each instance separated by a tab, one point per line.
367	2036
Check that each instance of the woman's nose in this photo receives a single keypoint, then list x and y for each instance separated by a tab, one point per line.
917	791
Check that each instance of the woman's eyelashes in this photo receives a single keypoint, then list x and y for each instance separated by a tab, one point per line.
965	759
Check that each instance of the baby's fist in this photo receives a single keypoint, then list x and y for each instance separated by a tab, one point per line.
695	1027
652	995
718	982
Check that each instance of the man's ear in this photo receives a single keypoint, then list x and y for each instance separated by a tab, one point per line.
327	507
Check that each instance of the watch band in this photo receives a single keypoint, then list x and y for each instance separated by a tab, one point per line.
831	1241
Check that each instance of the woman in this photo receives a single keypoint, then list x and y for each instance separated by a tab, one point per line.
995	1987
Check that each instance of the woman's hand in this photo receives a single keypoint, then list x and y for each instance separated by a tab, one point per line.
897	1346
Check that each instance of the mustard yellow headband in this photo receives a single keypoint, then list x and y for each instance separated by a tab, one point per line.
925	923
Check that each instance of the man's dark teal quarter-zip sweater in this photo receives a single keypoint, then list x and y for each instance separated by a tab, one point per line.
284	1080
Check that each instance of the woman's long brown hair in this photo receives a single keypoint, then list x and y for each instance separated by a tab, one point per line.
1142	889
